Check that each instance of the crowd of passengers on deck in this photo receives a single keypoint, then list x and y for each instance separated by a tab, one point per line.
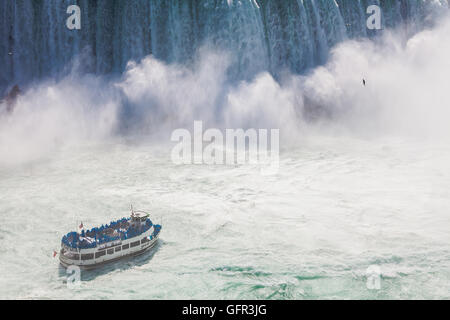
117	230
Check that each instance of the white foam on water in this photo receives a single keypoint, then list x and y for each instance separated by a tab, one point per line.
363	178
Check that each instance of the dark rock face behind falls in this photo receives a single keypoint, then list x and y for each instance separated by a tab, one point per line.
271	35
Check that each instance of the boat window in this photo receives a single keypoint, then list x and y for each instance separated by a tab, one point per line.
88	256
135	244
75	256
110	251
125	246
100	254
145	240
118	248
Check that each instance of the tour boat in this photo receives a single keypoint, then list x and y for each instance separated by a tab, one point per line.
123	238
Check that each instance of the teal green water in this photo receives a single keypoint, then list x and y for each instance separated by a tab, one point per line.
359	208
336	207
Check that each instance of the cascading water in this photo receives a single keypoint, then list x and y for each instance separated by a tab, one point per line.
262	34
363	181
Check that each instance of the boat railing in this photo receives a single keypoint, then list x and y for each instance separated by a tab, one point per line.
98	236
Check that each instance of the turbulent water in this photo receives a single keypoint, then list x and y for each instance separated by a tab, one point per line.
363	182
337	207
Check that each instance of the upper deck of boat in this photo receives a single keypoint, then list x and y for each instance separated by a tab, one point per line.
122	229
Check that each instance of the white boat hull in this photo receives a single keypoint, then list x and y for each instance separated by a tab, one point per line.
109	254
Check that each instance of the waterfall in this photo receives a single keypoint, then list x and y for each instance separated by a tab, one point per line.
272	35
